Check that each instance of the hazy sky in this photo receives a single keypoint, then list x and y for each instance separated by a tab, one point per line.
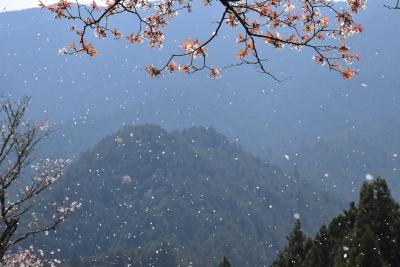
7	5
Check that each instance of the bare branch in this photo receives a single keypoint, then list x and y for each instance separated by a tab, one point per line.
395	6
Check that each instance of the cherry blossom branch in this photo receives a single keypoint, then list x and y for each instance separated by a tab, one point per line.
313	24
18	139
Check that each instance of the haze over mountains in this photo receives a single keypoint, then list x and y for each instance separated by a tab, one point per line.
314	113
313	120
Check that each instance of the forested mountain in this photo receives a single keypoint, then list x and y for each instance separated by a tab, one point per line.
367	234
192	188
335	132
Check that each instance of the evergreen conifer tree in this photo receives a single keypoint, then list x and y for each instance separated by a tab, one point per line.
320	254
365	251
295	252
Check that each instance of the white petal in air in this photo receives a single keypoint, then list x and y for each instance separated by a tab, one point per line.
369	177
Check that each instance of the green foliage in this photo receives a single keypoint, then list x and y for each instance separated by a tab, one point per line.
320	253
363	236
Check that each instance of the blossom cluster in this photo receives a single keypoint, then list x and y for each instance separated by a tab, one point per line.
28	258
66	209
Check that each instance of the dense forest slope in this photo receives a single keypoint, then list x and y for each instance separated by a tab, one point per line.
192	188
